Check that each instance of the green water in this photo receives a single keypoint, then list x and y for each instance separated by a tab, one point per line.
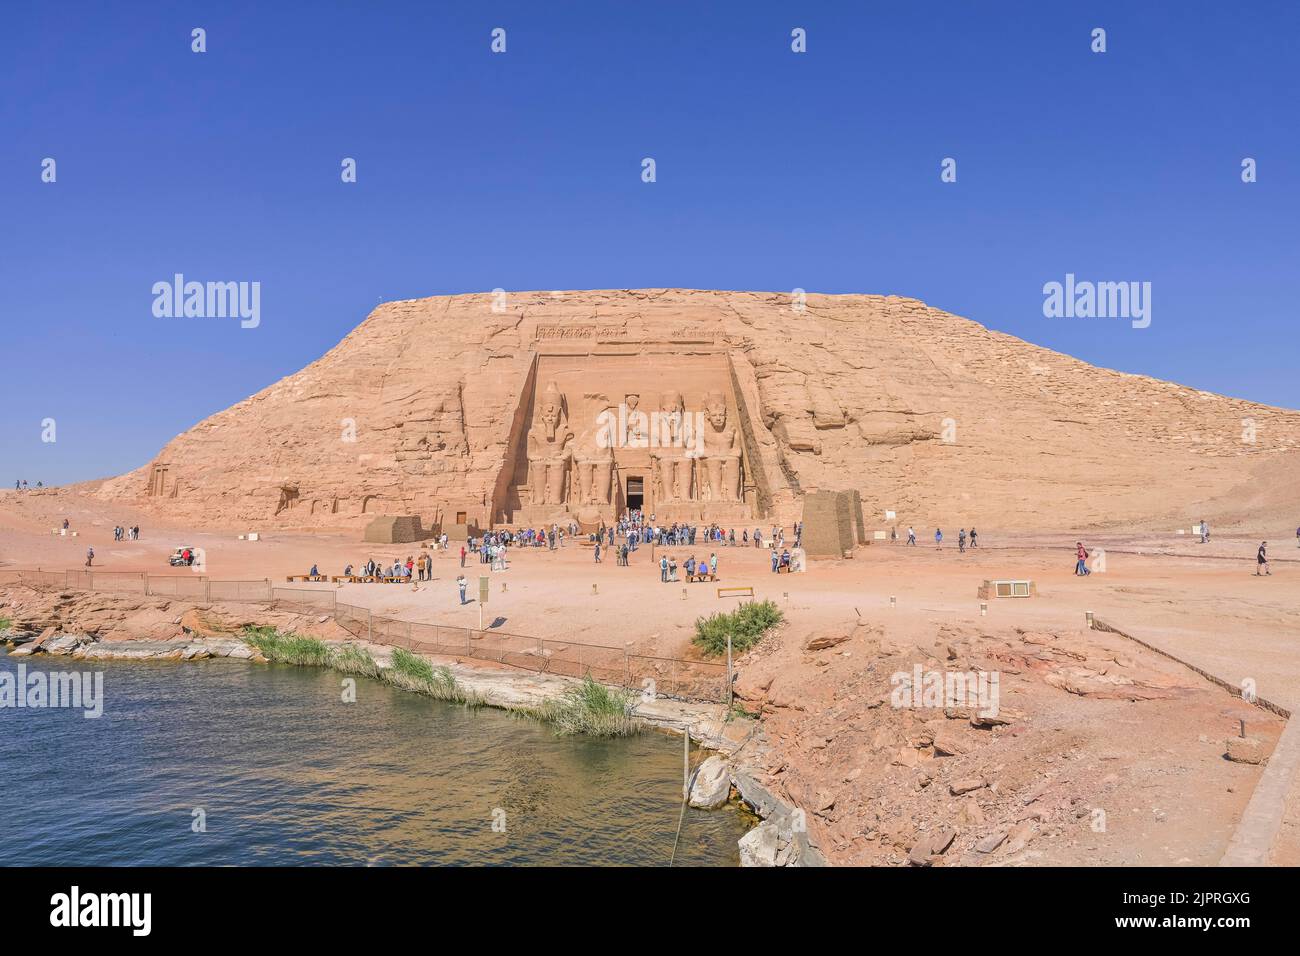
286	773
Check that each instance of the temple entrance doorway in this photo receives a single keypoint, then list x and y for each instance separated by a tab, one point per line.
635	493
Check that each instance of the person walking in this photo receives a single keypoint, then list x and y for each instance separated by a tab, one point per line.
961	541
1081	559
911	536
938	539
663	569
776	562
973	543
462	555
1261	559
90	556
1205	532
598	550
462	584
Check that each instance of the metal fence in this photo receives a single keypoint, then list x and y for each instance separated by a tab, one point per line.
664	676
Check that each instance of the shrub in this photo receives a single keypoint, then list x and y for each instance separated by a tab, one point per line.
746	625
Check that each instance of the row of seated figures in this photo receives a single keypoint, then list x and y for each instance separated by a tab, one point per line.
689	458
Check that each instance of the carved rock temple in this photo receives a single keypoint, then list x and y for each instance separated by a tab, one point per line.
537	407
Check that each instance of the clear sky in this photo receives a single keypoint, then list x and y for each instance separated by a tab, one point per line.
522	170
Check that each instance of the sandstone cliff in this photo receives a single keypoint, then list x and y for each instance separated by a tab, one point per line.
418	410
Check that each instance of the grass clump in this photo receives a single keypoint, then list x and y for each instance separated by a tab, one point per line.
746	625
5	623
414	673
408	671
288	648
590	708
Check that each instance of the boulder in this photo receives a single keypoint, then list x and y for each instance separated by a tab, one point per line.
760	846
712	784
826	639
1245	750
966	785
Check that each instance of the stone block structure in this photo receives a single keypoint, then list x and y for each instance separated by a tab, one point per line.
401	529
831	520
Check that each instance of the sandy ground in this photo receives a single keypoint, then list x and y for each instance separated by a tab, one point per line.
1155	764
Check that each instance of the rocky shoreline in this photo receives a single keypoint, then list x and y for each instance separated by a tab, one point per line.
781	839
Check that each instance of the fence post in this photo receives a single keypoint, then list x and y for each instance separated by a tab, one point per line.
147	590
270	593
728	670
334	604
207	589
370	625
468	652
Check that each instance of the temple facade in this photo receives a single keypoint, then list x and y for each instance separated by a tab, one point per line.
604	429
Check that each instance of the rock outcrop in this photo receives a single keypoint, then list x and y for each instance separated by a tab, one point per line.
424	408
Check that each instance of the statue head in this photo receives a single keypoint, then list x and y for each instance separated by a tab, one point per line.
549	409
715	410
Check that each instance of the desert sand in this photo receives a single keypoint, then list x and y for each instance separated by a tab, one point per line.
469	411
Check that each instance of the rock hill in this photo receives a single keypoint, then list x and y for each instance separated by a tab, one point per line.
425	409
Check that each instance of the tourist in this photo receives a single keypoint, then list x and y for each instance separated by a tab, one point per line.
1297	537
65	524
90	556
911	536
663	569
713	566
314	573
1081	559
690	568
972	538
462	584
1261	559
893	536
462	555
938	539
776	562
672	569
785	559
347	571
1205	532
961	541
598	550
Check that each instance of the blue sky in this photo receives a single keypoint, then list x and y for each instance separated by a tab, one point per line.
522	170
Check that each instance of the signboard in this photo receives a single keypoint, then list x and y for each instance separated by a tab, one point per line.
482	590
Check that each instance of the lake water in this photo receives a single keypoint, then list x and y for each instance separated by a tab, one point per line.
285	773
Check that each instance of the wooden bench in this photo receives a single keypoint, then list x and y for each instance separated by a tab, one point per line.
736	592
702	576
306	577
349	578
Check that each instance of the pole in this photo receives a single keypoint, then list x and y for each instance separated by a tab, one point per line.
728	670
686	764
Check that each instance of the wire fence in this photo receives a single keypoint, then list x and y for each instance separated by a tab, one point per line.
660	676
